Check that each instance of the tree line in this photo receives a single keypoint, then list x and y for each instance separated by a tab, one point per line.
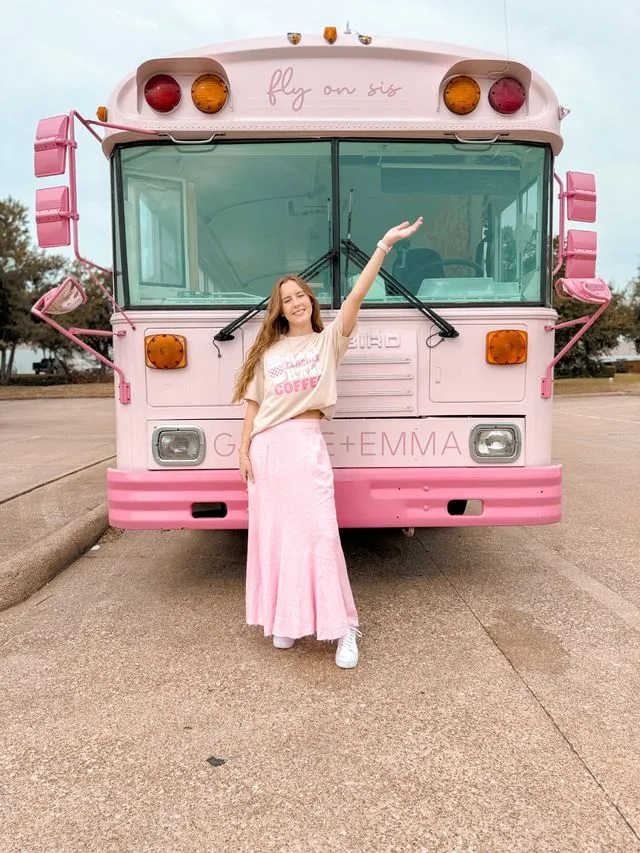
26	273
621	320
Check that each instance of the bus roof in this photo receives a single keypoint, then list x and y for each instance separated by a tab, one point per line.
388	87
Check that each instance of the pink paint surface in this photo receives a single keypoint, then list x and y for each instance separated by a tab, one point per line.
581	253
53	217
365	497
50	147
391	85
581	197
400	403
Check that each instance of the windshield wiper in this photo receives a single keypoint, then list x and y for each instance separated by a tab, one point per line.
317	266
362	259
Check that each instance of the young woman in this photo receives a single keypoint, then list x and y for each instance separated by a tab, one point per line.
297	582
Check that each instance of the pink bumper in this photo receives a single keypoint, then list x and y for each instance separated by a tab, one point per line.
365	497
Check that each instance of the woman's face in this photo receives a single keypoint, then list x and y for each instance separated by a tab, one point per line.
296	305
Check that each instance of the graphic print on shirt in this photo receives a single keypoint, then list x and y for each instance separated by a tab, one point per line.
292	373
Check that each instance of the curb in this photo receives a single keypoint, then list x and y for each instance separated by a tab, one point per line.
26	571
562	395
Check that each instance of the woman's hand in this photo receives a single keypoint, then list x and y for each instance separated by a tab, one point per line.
352	303
246	472
401	232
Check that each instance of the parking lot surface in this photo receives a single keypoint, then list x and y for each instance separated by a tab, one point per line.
495	707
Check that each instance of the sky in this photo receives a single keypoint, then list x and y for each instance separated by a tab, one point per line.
70	54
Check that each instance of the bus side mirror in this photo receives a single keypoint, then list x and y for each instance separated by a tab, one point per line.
581	197
50	147
592	290
53	217
581	254
62	299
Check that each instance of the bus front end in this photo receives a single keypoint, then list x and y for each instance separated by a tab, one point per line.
298	160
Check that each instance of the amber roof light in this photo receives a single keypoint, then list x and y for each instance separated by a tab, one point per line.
209	93
462	95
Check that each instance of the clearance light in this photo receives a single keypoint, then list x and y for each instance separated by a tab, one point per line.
495	443
462	95
507	346
294	38
209	93
507	95
166	352
364	39
162	93
102	114
330	34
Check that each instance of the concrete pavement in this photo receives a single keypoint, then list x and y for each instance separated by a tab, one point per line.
52	487
494	709
44	440
140	670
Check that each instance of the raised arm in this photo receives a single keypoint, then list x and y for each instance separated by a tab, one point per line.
352	303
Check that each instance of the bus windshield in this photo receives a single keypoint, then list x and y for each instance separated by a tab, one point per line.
215	225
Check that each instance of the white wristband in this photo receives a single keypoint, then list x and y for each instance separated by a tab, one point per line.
386	249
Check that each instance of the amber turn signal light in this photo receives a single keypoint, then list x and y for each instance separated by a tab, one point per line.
102	113
209	93
462	95
330	34
166	352
507	346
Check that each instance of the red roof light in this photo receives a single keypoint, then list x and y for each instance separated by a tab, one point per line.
162	93
507	95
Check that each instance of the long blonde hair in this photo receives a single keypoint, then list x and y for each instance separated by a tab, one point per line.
274	326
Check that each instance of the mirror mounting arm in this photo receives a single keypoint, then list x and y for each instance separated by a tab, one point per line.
124	387
593	291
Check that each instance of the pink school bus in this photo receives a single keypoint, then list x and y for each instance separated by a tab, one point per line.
234	164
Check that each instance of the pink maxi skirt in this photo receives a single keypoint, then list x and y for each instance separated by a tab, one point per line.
297	582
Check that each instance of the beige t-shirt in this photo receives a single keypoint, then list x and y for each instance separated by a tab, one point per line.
297	374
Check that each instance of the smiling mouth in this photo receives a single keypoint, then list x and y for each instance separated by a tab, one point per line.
297	313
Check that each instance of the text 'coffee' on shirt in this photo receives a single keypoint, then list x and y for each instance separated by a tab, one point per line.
298	374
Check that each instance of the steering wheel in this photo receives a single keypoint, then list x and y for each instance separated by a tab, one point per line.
449	262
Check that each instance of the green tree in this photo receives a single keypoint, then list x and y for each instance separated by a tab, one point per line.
584	358
633	297
24	273
94	314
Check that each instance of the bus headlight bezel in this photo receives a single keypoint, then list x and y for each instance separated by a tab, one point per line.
161	439
512	443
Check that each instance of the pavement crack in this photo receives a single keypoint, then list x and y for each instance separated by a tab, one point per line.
537	699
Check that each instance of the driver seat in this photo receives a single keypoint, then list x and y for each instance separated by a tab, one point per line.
409	267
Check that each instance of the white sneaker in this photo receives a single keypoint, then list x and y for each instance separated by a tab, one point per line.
282	642
347	651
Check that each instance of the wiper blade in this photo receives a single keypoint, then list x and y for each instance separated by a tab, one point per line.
226	334
362	259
